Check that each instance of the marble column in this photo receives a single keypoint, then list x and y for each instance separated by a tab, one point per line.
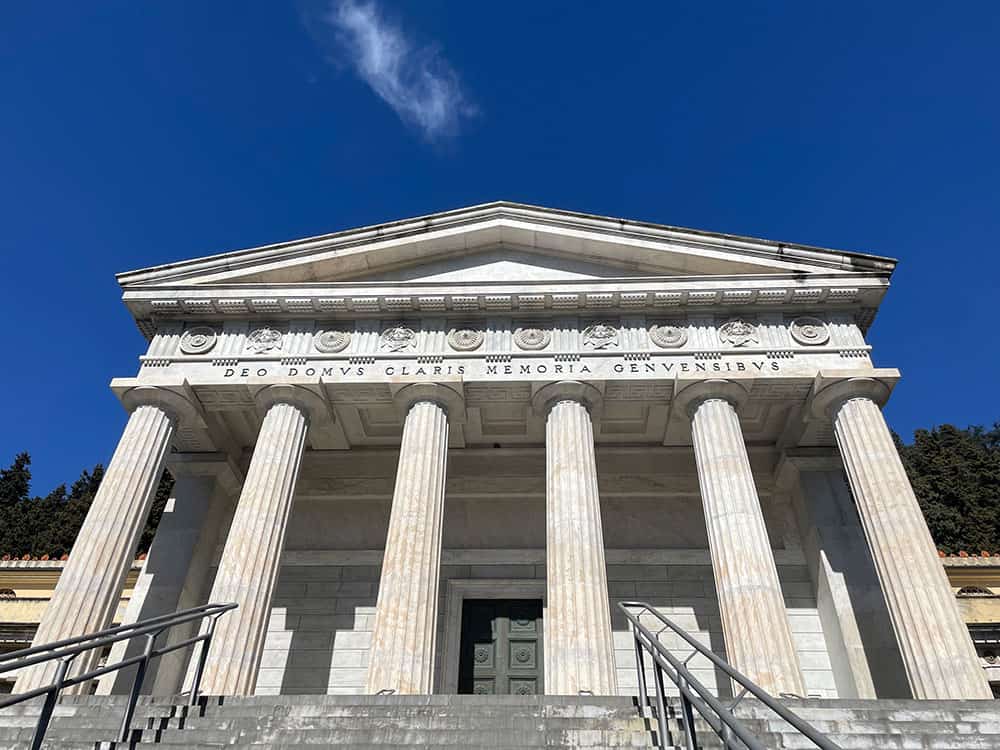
87	595
579	650
754	621
177	571
404	633
251	557
934	642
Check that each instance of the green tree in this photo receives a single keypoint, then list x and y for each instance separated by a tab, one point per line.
49	525
956	476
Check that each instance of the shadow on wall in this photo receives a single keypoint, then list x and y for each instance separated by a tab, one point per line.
321	630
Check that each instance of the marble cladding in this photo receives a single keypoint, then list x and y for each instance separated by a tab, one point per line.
320	628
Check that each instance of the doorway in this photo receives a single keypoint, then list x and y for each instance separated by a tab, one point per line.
501	647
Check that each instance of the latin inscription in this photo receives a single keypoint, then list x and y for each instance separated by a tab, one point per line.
504	370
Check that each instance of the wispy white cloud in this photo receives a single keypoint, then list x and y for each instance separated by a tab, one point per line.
416	81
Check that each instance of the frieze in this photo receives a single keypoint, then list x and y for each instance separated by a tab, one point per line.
600	336
397	339
263	340
198	340
738	332
532	339
465	339
668	336
330	341
809	331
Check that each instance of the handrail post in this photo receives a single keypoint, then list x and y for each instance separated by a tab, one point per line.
140	675
661	703
687	715
50	703
202	657
640	665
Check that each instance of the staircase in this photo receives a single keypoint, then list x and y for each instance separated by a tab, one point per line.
356	722
498	723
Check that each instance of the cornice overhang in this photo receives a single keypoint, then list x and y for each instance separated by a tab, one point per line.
862	293
450	231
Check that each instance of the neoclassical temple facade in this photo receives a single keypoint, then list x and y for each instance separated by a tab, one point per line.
432	455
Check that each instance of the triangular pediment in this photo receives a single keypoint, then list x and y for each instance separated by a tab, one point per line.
505	242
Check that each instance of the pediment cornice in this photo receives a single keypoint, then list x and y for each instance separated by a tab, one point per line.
646	247
859	292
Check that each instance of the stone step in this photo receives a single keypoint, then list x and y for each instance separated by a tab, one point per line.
373	737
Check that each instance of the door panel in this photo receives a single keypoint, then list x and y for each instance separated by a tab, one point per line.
501	650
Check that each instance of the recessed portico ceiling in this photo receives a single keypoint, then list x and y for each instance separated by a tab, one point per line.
503	239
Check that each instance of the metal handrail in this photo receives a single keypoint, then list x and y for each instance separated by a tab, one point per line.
694	695
66	650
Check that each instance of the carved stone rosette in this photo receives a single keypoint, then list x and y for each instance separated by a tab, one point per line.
397	339
738	332
668	336
600	336
330	342
264	340
465	339
198	340
809	331
532	339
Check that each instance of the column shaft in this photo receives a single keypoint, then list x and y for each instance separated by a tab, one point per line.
405	628
88	592
579	652
754	622
934	642
252	554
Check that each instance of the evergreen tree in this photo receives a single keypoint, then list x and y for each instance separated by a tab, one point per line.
49	525
956	476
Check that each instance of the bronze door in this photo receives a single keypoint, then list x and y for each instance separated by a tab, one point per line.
501	652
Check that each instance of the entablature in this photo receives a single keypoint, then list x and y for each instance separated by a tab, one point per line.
857	293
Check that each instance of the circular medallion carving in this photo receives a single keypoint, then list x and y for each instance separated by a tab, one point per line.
600	336
198	340
398	339
524	689
809	331
264	340
482	654
481	690
532	338
465	339
330	342
738	332
668	337
522	655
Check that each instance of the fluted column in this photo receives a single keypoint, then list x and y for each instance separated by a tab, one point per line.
251	557
579	651
405	630
754	621
934	641
89	589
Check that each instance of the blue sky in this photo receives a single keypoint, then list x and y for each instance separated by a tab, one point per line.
140	133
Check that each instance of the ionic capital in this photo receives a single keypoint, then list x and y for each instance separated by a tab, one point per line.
448	397
550	394
311	404
690	397
828	399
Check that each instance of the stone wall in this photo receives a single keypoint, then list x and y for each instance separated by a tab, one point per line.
320	627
